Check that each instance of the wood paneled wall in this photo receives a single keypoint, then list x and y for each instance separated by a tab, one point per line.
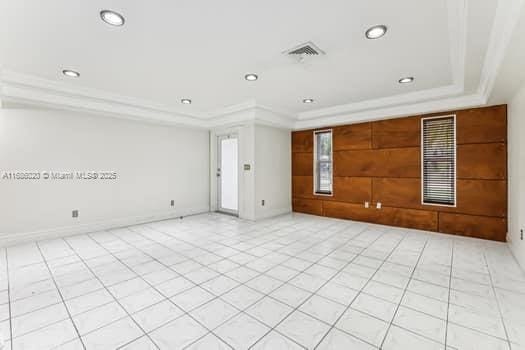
381	162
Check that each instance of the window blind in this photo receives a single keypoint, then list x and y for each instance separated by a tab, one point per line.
439	160
323	162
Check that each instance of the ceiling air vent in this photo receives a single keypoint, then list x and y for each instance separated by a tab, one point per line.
303	51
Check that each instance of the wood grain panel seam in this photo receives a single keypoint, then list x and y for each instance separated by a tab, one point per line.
412	208
381	149
504	142
386	207
474	215
482	179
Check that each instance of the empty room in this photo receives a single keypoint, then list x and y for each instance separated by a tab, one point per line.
266	175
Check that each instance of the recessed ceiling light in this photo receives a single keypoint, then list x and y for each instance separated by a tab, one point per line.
376	32
406	80
185	101
308	100
70	73
251	77
112	17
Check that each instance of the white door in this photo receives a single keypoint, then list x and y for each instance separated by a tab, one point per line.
227	174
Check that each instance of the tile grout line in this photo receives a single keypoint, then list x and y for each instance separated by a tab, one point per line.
259	274
285	282
403	295
120	239
359	293
497	301
107	290
318	289
364	229
166	298
193	283
61	298
9	299
449	290
248	245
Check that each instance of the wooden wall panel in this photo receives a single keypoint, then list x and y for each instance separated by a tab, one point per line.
349	211
308	206
302	186
302	141
352	190
482	197
482	125
486	161
399	162
473	226
474	197
380	162
410	218
395	133
397	192
352	137
302	164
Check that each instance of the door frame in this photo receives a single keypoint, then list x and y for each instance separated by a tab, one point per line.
219	138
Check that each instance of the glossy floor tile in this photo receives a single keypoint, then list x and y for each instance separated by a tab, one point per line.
293	282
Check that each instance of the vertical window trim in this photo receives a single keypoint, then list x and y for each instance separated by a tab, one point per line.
315	192
455	162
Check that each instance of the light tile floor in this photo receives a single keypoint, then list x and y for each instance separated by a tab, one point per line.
293	282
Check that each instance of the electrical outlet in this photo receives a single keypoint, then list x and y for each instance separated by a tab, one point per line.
367	205
262	202
74	213
378	205
172	203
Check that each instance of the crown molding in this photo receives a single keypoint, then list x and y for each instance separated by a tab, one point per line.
33	90
451	103
11	78
255	113
507	16
20	88
437	93
233	109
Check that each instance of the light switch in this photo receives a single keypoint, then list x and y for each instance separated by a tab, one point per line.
367	205
378	205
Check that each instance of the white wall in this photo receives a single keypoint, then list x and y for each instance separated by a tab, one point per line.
516	168
272	171
155	164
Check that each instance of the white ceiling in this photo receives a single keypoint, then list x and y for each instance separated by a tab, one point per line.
169	50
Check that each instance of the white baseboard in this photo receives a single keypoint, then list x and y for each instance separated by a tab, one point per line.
273	212
9	239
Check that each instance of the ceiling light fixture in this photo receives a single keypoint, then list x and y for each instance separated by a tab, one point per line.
113	18
70	73
406	80
185	101
308	100
376	32
251	77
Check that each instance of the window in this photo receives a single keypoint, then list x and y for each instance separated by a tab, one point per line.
323	162
438	154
